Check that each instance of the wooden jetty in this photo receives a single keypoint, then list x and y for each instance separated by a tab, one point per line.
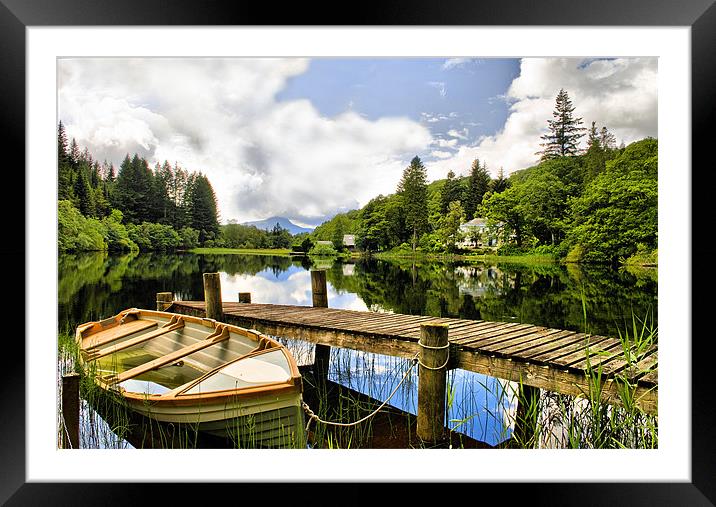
535	356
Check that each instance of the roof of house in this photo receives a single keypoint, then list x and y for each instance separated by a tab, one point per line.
475	222
349	240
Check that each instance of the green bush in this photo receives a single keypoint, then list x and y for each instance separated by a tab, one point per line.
323	250
189	238
150	236
77	233
116	235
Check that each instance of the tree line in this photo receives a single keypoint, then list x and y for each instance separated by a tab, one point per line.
135	207
593	204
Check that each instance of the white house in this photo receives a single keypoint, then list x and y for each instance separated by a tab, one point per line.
477	233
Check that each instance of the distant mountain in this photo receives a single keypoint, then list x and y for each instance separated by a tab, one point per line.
270	223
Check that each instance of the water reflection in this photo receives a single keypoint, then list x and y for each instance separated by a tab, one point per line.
96	285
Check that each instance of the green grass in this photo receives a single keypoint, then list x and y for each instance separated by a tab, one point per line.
245	251
535	259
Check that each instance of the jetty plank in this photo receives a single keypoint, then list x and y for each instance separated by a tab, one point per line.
542	357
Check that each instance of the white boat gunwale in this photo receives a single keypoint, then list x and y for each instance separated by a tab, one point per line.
265	344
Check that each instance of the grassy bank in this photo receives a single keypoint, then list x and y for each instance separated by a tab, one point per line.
534	259
244	251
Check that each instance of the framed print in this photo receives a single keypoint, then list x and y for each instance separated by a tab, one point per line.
273	147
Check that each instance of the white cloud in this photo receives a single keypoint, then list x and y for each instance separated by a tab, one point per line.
441	86
620	94
460	134
445	143
441	154
454	62
220	116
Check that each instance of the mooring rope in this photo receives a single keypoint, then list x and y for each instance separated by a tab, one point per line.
312	416
441	347
416	360
64	427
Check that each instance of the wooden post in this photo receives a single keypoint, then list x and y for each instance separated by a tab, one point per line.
432	381
212	296
244	297
322	353
164	300
71	410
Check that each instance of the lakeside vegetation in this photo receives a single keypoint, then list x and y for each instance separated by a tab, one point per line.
597	205
239	251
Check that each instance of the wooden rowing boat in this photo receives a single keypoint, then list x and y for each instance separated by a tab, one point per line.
176	368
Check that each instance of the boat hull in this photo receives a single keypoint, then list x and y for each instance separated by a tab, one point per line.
139	351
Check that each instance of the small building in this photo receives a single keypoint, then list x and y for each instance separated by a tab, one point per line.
349	241
479	234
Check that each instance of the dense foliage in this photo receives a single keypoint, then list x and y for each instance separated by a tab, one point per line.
163	208
595	207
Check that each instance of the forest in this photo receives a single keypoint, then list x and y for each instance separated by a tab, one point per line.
594	205
142	208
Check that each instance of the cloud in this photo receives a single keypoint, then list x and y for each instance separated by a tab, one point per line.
440	86
620	94
220	116
444	143
455	62
441	154
460	134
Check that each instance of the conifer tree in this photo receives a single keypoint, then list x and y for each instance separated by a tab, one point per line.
413	189
478	185
501	183
607	139
451	192
564	133
203	208
64	168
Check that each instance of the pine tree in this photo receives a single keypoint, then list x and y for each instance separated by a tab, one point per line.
594	157
203	208
74	154
450	192
564	131
413	188
593	138
501	183
83	193
607	139
478	185
64	168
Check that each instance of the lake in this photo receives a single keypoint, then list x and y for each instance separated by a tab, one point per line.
93	286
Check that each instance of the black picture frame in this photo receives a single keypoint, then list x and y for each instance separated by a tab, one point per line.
700	15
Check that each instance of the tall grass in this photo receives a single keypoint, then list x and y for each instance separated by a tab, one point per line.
588	421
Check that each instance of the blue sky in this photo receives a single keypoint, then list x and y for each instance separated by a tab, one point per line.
453	97
308	138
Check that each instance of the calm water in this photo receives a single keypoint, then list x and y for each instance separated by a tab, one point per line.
93	286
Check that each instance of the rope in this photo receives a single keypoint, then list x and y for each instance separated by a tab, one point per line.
64	427
441	347
312	416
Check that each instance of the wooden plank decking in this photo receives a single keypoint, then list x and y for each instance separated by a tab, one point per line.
541	357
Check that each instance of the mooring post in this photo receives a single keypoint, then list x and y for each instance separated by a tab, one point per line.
322	353
212	296
71	410
164	300
526	415
432	381
244	297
